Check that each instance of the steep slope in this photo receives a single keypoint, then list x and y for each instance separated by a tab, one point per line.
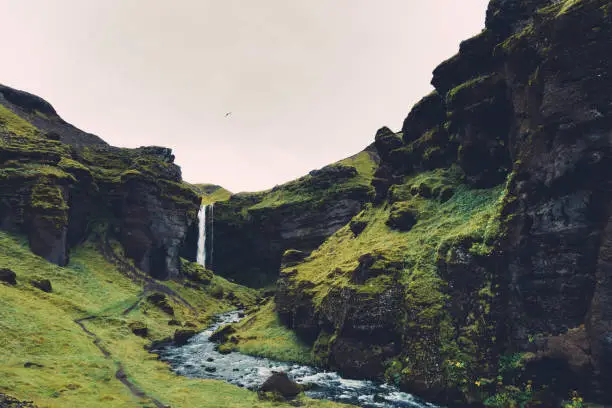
479	269
41	115
59	183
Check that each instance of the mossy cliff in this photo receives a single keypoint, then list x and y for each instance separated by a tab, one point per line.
252	230
58	184
474	266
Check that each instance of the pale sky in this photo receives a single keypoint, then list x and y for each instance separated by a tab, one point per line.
308	82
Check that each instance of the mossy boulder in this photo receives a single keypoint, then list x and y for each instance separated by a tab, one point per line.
160	300
292	257
139	329
403	216
182	336
42	284
280	386
8	276
196	272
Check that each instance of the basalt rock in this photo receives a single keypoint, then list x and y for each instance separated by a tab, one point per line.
59	184
42	284
280	384
182	336
256	229
524	108
8	276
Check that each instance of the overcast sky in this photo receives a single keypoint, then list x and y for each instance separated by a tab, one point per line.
308	82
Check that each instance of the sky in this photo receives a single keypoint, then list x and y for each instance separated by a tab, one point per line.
307	82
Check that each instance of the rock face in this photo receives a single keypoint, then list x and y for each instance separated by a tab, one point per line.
253	231
60	184
517	285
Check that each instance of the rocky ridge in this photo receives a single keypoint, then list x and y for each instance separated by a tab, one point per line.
60	184
477	268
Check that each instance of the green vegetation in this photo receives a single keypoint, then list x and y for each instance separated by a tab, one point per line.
467	214
262	334
211	193
464	218
453	93
351	176
38	327
560	8
12	123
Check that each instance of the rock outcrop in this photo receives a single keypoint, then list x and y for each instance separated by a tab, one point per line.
499	188
253	230
60	184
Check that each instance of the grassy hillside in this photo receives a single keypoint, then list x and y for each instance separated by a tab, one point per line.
46	357
262	334
445	213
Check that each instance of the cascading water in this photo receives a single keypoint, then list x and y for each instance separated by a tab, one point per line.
201	254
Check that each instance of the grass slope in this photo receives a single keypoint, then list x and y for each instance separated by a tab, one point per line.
39	328
262	334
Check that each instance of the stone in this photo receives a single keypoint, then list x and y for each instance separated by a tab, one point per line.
139	329
280	384
222	334
160	300
292	257
42	284
8	276
357	226
403	216
29	364
182	336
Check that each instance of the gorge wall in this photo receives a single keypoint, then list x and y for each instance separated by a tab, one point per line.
477	268
59	184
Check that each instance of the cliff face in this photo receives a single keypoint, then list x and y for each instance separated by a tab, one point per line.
481	271
59	184
252	230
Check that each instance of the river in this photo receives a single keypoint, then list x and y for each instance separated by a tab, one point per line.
199	359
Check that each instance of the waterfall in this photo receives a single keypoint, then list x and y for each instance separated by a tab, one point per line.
201	255
202	252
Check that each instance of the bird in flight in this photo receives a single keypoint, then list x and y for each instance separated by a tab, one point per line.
227	114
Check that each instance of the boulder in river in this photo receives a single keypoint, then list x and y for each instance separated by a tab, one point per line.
182	335
279	386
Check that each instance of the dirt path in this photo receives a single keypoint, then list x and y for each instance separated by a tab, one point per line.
120	373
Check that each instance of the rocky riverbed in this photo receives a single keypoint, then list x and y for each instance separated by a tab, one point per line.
199	359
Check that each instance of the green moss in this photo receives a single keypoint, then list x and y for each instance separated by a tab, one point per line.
12	123
196	272
39	327
211	193
48	197
560	8
348	177
453	93
515	40
72	166
262	334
